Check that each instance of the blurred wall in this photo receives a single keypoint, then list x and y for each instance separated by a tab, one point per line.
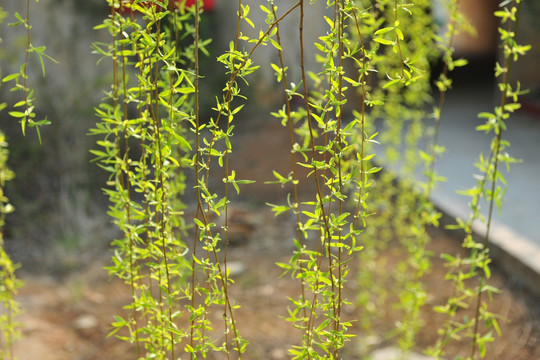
480	14
56	191
482	49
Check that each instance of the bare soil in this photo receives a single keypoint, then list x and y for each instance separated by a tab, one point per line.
69	317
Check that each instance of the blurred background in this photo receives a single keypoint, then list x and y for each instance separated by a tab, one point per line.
57	191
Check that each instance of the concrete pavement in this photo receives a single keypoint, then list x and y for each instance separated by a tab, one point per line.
515	237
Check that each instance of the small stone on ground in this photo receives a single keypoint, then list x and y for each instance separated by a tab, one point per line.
393	353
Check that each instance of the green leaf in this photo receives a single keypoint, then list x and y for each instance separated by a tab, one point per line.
390	83
18	17
460	62
11	77
399	34
17	114
199	223
383	30
325	280
486	115
245	181
249	22
185	90
275	44
384	41
279	209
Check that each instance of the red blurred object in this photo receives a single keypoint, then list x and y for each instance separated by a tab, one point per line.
208	5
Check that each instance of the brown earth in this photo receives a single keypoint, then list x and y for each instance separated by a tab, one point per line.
69	317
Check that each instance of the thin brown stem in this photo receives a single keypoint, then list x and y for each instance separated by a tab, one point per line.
127	202
360	199
294	177
339	150
504	97
234	75
25	71
452	29
325	232
200	211
398	43
161	210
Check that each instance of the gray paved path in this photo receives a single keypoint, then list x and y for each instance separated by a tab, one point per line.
515	235
521	206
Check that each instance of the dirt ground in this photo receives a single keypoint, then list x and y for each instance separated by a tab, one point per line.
69	317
